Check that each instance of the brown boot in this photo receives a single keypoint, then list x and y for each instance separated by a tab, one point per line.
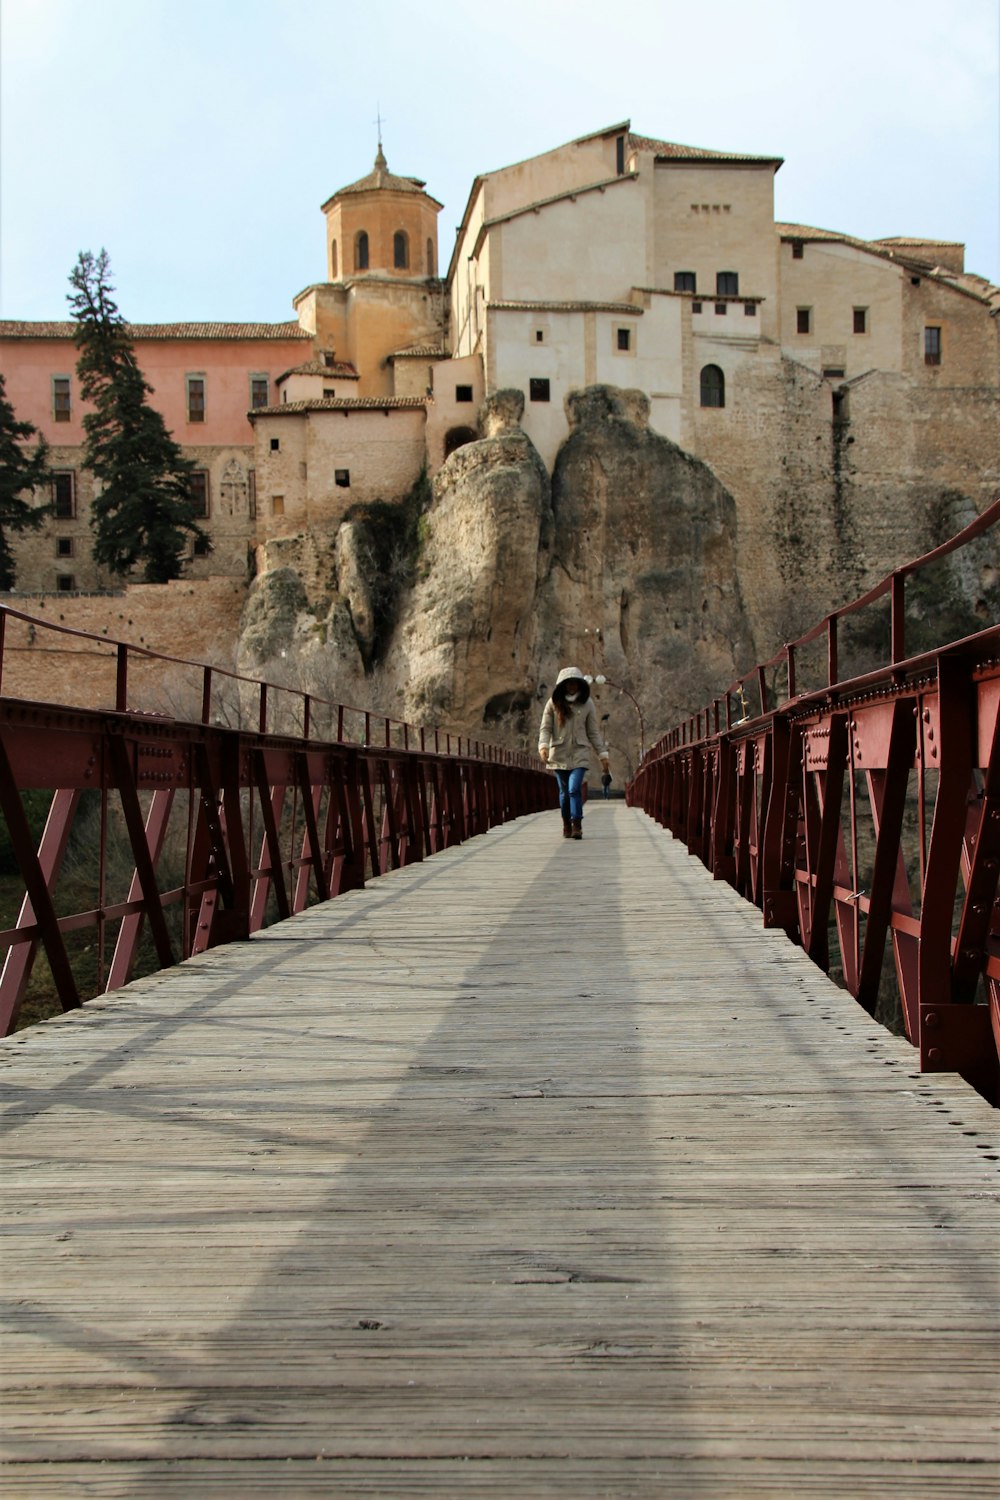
577	829
567	829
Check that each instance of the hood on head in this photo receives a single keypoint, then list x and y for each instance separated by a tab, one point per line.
570	679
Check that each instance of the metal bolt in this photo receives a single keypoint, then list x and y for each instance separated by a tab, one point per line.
931	1020
934	1054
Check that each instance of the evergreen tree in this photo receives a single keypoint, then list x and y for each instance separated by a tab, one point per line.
19	471
144	509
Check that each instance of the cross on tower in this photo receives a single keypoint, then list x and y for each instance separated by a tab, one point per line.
378	123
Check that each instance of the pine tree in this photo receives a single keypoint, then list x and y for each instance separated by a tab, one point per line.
19	471
144	509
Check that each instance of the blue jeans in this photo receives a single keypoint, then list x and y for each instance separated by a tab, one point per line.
571	793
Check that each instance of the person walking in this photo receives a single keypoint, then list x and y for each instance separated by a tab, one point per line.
568	730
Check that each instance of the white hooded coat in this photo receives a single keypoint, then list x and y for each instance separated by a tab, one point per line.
569	744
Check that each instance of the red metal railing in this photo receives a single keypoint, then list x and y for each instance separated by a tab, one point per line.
203	832
863	817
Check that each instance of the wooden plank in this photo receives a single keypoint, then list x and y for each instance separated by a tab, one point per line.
536	1169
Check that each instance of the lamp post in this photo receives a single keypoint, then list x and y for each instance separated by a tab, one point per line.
601	681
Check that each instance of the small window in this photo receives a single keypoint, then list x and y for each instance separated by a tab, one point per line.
202	546
64	546
749	309
196	398
803	320
277	505
463	393
333	260
721	308
259	391
329	358
361	251
696	307
833	373
620	155
539	335
798	250
685	281
538	390
329	395
861	320
342	478
275	445
932	346
430	257
252	493
198	492
727	284
60	398
713	386
400	250
66	583
64	494
624	340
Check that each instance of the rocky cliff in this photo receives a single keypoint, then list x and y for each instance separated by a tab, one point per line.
624	563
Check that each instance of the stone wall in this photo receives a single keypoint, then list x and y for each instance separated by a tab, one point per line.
197	620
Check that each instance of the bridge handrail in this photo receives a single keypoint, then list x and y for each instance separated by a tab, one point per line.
863	819
708	720
384	726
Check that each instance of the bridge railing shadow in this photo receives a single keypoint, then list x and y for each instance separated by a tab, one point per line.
862	815
142	838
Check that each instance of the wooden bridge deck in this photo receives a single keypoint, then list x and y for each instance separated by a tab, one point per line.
534	1170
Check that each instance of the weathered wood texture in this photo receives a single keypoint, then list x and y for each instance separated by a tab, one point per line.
536	1170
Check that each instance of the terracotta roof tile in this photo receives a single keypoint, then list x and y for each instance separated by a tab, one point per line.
694	153
140	332
340	370
622	307
419	351
341	403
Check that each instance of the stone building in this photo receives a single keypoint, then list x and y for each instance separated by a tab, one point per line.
835	386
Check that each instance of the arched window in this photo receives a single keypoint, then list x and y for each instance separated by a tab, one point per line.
400	250
430	257
713	386
361	251
333	260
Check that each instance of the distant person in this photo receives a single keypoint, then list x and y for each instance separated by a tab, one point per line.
569	728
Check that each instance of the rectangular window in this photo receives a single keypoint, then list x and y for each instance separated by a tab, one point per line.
342	478
202	546
727	284
932	346
66	583
830	373
720	309
64	546
260	391
463	393
685	281
696	307
60	398
750	309
624	340
275	445
803	319
539	335
198	490
196	398
64	494
538	390
861	320
329	395
277	505
252	493
620	155
798	250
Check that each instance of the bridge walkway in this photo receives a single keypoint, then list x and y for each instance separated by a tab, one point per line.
537	1169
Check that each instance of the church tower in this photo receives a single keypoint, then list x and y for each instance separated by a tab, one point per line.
382	225
382	298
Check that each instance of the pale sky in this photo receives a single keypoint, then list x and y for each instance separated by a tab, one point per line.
196	139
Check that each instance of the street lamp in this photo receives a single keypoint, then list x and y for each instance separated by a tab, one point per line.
601	680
